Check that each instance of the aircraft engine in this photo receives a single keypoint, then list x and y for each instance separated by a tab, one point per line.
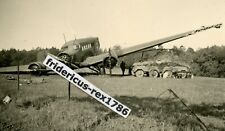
110	62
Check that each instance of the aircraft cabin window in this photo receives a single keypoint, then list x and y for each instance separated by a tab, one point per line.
87	46
75	47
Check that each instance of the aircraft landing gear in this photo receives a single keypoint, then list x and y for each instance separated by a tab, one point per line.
65	57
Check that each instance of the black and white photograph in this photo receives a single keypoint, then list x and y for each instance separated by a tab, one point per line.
112	65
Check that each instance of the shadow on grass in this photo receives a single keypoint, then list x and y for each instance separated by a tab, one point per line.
169	110
217	111
142	106
146	106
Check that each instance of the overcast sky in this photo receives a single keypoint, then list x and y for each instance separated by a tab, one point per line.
27	24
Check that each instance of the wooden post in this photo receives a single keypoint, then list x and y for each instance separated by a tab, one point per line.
18	75
69	90
69	84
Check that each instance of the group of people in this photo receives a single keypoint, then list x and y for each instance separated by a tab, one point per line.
123	67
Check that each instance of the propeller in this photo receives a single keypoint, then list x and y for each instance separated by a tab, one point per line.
110	61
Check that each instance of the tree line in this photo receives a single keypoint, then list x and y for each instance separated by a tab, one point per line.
11	56
209	62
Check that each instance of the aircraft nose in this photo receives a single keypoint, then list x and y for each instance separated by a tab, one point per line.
218	25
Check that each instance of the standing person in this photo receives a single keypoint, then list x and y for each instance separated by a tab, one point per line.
122	66
130	70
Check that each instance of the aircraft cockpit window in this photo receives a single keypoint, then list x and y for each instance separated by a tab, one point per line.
65	47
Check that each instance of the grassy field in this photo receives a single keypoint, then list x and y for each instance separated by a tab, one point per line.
44	105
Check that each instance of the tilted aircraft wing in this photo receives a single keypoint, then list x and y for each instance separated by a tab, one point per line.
103	58
152	44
